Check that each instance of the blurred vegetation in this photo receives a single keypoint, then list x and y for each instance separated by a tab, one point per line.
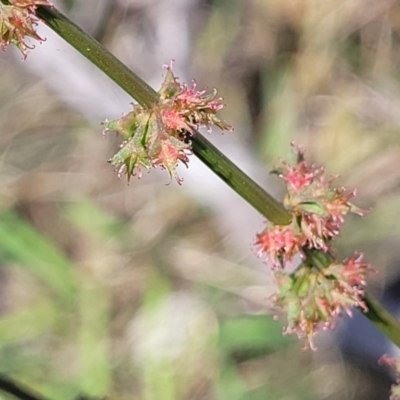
109	291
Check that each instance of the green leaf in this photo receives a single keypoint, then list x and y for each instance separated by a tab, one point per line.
246	333
27	324
95	372
312	207
230	386
91	220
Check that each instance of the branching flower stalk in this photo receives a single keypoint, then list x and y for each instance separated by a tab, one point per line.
162	130
146	96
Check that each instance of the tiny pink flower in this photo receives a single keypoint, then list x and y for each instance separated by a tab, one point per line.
299	177
170	153
352	271
175	122
318	230
279	244
197	108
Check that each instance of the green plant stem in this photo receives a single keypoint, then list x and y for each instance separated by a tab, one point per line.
147	97
222	166
239	181
18	391
21	392
382	319
98	55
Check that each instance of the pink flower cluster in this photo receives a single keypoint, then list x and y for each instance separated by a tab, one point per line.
17	21
317	210
315	293
185	108
161	136
312	298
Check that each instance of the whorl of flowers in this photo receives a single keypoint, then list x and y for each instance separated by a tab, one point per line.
161	136
312	298
18	21
313	295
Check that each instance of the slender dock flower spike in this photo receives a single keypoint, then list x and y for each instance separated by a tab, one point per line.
160	136
316	292
18	21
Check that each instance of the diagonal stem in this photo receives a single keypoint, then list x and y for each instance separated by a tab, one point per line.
18	391
221	165
98	55
147	96
382	319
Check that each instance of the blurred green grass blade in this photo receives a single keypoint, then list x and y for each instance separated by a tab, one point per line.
25	245
93	339
92	220
98	227
27	324
281	102
252	332
230	386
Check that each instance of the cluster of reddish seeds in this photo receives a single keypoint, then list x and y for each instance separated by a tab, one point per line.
160	136
17	21
313	295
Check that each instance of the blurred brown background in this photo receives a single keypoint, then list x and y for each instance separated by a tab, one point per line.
151	291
